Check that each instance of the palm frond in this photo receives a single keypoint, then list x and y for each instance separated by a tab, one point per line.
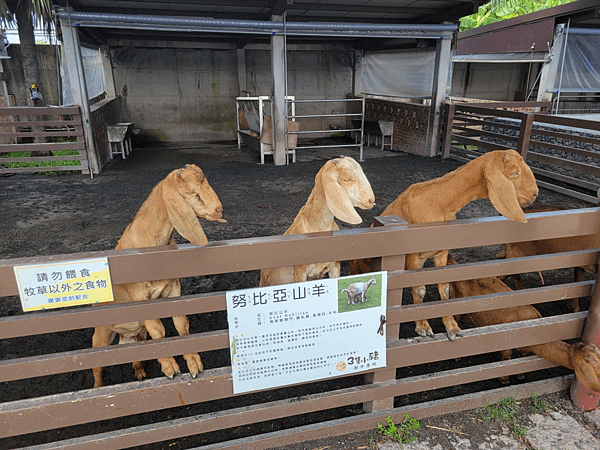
41	11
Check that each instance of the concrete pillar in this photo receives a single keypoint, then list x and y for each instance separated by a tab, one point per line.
241	71
72	53
441	70
107	69
278	102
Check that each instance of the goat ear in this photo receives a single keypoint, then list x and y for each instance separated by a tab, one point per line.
337	198
502	194
588	377
182	215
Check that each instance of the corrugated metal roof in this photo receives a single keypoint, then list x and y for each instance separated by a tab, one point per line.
415	12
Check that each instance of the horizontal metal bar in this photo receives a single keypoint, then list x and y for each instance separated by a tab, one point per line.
570	192
322	131
323	115
593	187
561	162
567	122
327	100
325	146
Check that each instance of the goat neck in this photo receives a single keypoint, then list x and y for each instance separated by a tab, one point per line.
501	176
558	352
315	215
441	198
151	225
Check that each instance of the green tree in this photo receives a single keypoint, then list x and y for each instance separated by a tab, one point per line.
498	10
25	15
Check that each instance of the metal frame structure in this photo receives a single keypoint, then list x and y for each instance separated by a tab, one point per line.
361	115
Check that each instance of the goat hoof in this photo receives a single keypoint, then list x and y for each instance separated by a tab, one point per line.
425	333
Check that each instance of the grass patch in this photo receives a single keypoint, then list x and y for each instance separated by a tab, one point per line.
539	405
400	432
49	164
505	412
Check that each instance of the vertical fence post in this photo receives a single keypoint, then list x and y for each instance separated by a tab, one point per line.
581	396
388	263
448	135
525	134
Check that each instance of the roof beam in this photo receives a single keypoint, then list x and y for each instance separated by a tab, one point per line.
280	7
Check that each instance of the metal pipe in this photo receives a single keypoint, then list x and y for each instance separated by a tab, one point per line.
562	67
263	27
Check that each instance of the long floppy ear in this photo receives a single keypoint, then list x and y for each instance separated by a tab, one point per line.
181	213
336	196
588	377
502	193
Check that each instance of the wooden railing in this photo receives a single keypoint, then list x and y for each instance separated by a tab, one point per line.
183	407
23	125
563	153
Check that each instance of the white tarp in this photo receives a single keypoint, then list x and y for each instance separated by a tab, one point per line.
94	75
581	69
407	74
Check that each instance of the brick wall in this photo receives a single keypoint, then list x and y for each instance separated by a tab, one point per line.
105	112
410	122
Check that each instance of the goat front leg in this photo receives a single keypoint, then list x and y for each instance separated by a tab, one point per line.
138	366
506	355
182	324
413	262
103	336
193	360
578	276
335	270
452	328
168	365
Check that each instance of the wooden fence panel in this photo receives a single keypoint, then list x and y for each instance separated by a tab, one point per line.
562	152
378	392
26	124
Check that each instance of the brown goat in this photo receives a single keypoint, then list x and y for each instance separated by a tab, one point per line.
584	359
175	203
340	186
548	246
501	175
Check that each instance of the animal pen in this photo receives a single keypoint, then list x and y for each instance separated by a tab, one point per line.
562	152
184	407
254	126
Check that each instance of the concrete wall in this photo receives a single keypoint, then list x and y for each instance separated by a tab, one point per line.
493	81
48	78
189	94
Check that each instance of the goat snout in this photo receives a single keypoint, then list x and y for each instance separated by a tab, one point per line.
368	203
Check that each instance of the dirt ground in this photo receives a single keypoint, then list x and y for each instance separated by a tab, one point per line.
70	213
